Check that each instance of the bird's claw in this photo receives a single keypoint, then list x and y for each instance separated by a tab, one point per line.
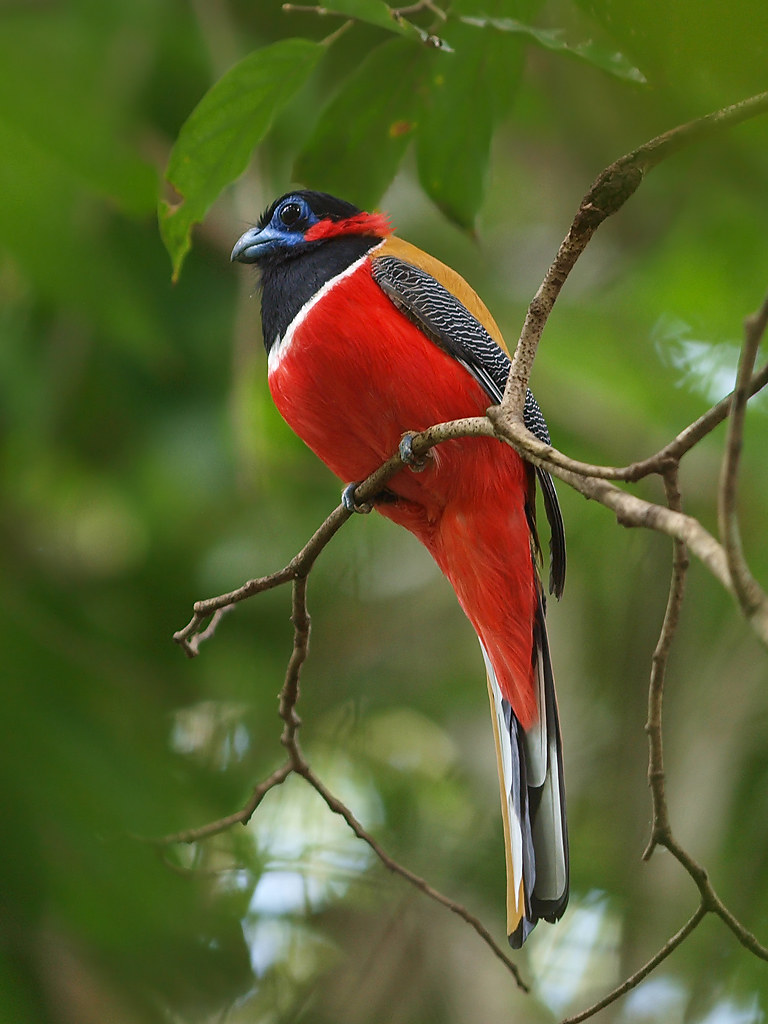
349	503
416	463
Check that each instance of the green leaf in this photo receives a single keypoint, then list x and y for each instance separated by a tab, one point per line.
705	54
364	131
216	140
456	129
379	13
613	63
373	12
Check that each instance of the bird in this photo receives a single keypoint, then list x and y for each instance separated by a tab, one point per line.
370	340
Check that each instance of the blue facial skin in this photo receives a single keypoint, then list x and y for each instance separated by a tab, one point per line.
287	283
281	229
290	218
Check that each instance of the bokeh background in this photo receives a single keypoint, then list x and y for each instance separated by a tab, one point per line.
143	466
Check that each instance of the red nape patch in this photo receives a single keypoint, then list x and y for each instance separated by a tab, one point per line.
361	224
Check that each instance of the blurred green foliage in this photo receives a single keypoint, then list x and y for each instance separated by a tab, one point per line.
143	466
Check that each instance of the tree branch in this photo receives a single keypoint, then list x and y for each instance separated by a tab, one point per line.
241	817
751	597
634	979
694	433
415	880
629	509
656	778
653	464
607	194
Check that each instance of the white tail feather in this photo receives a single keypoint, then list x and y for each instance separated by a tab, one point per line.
548	836
532	801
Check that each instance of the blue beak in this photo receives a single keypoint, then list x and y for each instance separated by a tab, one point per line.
255	243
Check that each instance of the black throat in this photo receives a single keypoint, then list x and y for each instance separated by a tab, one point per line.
289	283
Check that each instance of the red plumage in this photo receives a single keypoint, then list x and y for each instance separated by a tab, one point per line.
350	376
376	224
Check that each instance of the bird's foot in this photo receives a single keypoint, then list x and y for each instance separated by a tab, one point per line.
416	463
349	503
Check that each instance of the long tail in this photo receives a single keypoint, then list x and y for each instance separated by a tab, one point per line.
532	798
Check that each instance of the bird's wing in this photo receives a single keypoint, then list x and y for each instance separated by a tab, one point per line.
449	312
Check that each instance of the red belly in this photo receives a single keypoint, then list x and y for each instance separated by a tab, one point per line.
355	375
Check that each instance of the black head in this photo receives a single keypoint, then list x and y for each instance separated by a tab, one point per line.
285	229
303	240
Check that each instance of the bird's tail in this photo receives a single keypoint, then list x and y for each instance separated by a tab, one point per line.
532	798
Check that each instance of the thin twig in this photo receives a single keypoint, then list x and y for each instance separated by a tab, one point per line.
192	645
653	727
709	898
298	567
421	5
745	937
697	430
415	880
331	38
241	817
289	694
652	464
634	979
630	510
323	12
751	597
661	832
396	13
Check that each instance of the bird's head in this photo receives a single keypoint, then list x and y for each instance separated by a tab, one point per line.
301	221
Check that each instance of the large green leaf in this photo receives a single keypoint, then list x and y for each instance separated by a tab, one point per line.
610	61
714	51
456	127
363	133
379	13
216	140
374	12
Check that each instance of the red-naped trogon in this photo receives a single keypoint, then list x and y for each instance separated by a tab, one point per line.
367	338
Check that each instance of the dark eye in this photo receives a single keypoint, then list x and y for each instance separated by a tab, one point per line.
290	214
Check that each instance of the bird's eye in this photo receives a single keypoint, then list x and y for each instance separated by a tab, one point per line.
290	214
